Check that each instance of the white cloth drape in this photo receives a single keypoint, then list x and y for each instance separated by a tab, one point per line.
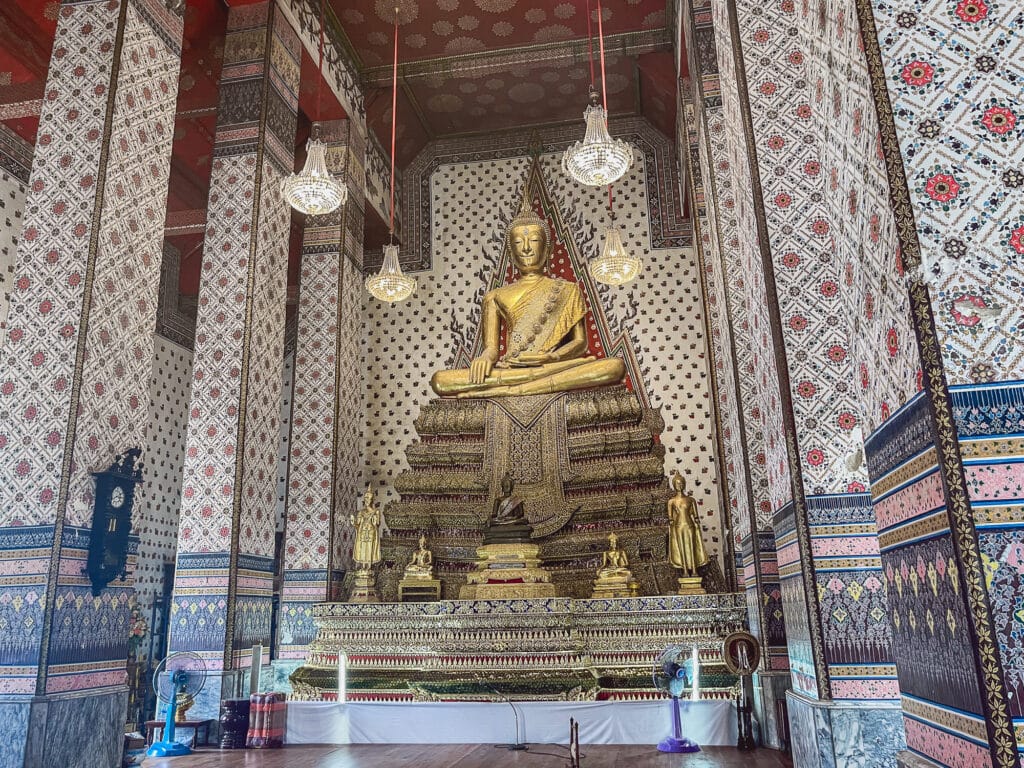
710	723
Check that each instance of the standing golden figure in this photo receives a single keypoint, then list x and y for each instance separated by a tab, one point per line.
366	549
545	325
685	546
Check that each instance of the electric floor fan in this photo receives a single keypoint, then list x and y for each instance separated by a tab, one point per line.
179	675
671	676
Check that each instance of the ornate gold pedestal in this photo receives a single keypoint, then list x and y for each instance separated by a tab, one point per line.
419	590
507	571
615	586
365	588
691	585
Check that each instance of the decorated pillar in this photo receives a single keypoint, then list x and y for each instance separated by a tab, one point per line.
948	480
76	357
324	470
223	583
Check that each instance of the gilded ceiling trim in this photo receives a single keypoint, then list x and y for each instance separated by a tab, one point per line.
1002	739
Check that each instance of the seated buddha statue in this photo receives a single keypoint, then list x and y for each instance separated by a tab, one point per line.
544	320
421	564
614	579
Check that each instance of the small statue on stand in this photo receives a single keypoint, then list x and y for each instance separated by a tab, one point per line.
366	549
418	583
685	546
614	579
507	523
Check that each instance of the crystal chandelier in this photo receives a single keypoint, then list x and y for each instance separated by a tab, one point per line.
390	284
615	266
598	159
313	190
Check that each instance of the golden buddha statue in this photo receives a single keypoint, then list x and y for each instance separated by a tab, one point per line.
545	327
685	545
614	579
421	564
366	549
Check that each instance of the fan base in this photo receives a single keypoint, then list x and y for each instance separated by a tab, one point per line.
672	744
167	749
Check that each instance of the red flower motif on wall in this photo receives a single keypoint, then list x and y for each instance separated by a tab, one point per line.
846	420
812	167
806	389
798	322
761	36
768	88
918	73
776	142
783	200
942	187
791	260
865	378
967	318
971	11
1017	239
836	353
999	120
815	457
803	111
892	341
819	227
796	58
829	289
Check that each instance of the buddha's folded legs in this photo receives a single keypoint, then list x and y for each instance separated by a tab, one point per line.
554	377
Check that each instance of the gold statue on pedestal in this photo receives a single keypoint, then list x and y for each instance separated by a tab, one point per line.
418	583
614	579
545	323
366	549
685	546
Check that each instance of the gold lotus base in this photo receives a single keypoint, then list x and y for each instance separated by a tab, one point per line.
691	585
615	586
365	588
508	571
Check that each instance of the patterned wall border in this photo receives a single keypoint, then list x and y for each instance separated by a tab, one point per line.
669	226
15	154
782	366
965	538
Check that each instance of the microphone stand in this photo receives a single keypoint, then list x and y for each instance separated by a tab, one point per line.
518	746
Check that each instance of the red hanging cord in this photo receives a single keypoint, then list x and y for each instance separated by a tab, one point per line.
600	39
610	208
320	64
394	106
590	44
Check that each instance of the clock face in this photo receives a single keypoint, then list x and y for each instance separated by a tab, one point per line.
117	497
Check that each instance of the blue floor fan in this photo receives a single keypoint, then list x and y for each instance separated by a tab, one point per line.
181	674
671	676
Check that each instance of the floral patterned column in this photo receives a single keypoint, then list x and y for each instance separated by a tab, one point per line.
225	564
76	357
946	81
325	470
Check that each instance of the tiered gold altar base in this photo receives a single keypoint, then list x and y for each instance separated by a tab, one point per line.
532	649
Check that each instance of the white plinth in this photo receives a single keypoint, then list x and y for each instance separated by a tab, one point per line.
709	723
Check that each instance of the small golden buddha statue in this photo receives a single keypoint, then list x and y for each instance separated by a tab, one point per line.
614	579
685	545
366	550
545	327
421	564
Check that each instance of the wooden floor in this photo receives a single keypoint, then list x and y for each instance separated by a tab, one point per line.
469	756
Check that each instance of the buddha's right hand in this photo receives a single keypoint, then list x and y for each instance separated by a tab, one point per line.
480	369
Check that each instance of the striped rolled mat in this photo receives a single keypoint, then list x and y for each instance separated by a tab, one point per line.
267	718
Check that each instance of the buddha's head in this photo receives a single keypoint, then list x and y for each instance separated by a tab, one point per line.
613	541
368	496
506	484
529	239
423	541
678	482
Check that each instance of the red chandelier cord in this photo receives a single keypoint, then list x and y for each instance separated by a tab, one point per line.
600	39
394	108
320	65
590	44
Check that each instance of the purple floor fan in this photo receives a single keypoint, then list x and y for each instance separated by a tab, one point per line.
672	677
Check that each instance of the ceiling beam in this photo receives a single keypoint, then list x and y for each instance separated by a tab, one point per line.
502	59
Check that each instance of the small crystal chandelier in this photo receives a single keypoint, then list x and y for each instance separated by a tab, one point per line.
390	284
615	266
313	190
598	159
